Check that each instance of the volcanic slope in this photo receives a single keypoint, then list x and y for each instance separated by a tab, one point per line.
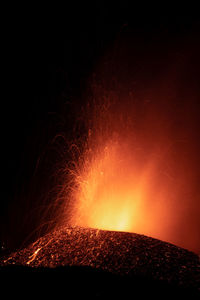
105	263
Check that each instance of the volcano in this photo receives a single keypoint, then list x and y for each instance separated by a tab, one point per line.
100	264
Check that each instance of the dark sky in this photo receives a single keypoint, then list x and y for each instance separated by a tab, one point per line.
47	60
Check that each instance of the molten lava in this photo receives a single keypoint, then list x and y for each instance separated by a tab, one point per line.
109	198
115	190
119	185
134	172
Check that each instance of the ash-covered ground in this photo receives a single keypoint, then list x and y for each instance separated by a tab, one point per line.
101	264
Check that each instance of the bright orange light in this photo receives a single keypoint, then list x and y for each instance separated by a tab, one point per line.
116	192
130	174
105	195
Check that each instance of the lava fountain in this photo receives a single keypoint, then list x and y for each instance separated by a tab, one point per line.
135	165
126	178
112	191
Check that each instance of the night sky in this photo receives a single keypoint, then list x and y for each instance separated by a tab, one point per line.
48	61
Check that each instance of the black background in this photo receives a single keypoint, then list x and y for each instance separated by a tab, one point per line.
47	59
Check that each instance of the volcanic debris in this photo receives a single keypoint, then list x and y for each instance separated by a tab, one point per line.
123	255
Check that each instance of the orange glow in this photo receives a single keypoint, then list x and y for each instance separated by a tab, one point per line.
118	187
130	175
115	191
